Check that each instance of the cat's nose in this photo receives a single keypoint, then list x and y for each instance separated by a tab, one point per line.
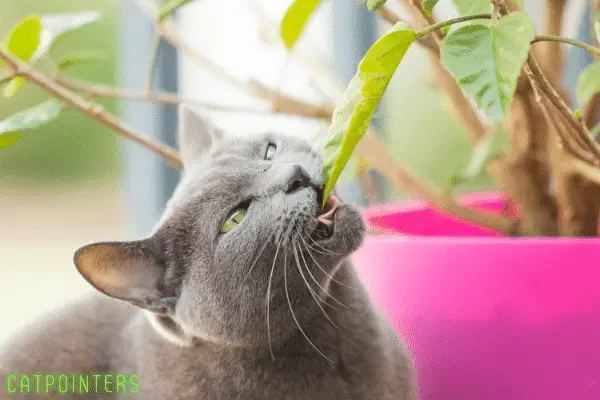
297	178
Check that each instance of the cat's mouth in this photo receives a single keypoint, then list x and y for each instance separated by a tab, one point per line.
325	218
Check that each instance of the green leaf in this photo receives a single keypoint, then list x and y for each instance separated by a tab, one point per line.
54	26
471	7
428	5
24	39
588	83
353	116
23	42
487	61
170	7
375	5
295	19
13	86
597	26
79	57
31	118
8	139
492	145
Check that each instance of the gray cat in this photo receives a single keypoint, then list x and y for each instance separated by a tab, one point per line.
239	293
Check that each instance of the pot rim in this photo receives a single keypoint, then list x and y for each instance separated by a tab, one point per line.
380	210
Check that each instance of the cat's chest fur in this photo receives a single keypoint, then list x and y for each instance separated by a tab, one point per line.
366	361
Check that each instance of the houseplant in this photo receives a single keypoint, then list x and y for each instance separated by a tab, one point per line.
465	302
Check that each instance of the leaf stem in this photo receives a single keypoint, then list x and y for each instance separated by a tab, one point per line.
6	78
435	27
550	38
539	38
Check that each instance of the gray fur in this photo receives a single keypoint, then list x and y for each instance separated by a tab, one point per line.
199	326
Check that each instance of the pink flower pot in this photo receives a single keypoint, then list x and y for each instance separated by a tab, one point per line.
487	317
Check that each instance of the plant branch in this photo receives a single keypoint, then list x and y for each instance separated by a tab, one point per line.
374	150
389	16
586	170
590	113
99	90
562	108
94	111
552	54
6	78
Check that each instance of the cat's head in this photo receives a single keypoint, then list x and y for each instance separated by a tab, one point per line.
239	234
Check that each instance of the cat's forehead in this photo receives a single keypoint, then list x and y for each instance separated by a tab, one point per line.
250	144
232	165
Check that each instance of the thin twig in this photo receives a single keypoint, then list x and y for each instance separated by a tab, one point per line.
560	106
586	170
416	9
99	90
6	78
376	152
281	103
92	110
590	112
389	16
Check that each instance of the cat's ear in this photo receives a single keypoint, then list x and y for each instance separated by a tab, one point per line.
126	271
196	134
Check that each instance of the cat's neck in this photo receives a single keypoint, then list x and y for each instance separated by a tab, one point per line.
342	285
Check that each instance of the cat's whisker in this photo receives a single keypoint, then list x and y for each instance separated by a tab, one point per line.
325	290
310	289
321	268
323	249
287	295
268	300
252	267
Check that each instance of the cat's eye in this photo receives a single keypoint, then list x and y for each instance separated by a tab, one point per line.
234	219
270	152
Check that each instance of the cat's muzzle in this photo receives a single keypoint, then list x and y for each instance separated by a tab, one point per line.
325	218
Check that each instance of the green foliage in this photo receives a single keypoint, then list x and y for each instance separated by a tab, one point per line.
23	41
34	36
493	144
79	57
32	117
374	5
170	7
54	26
73	148
428	5
472	7
487	61
597	26
295	20
588	83
352	117
8	139
13	86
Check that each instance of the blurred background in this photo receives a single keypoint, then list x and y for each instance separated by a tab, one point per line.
73	181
